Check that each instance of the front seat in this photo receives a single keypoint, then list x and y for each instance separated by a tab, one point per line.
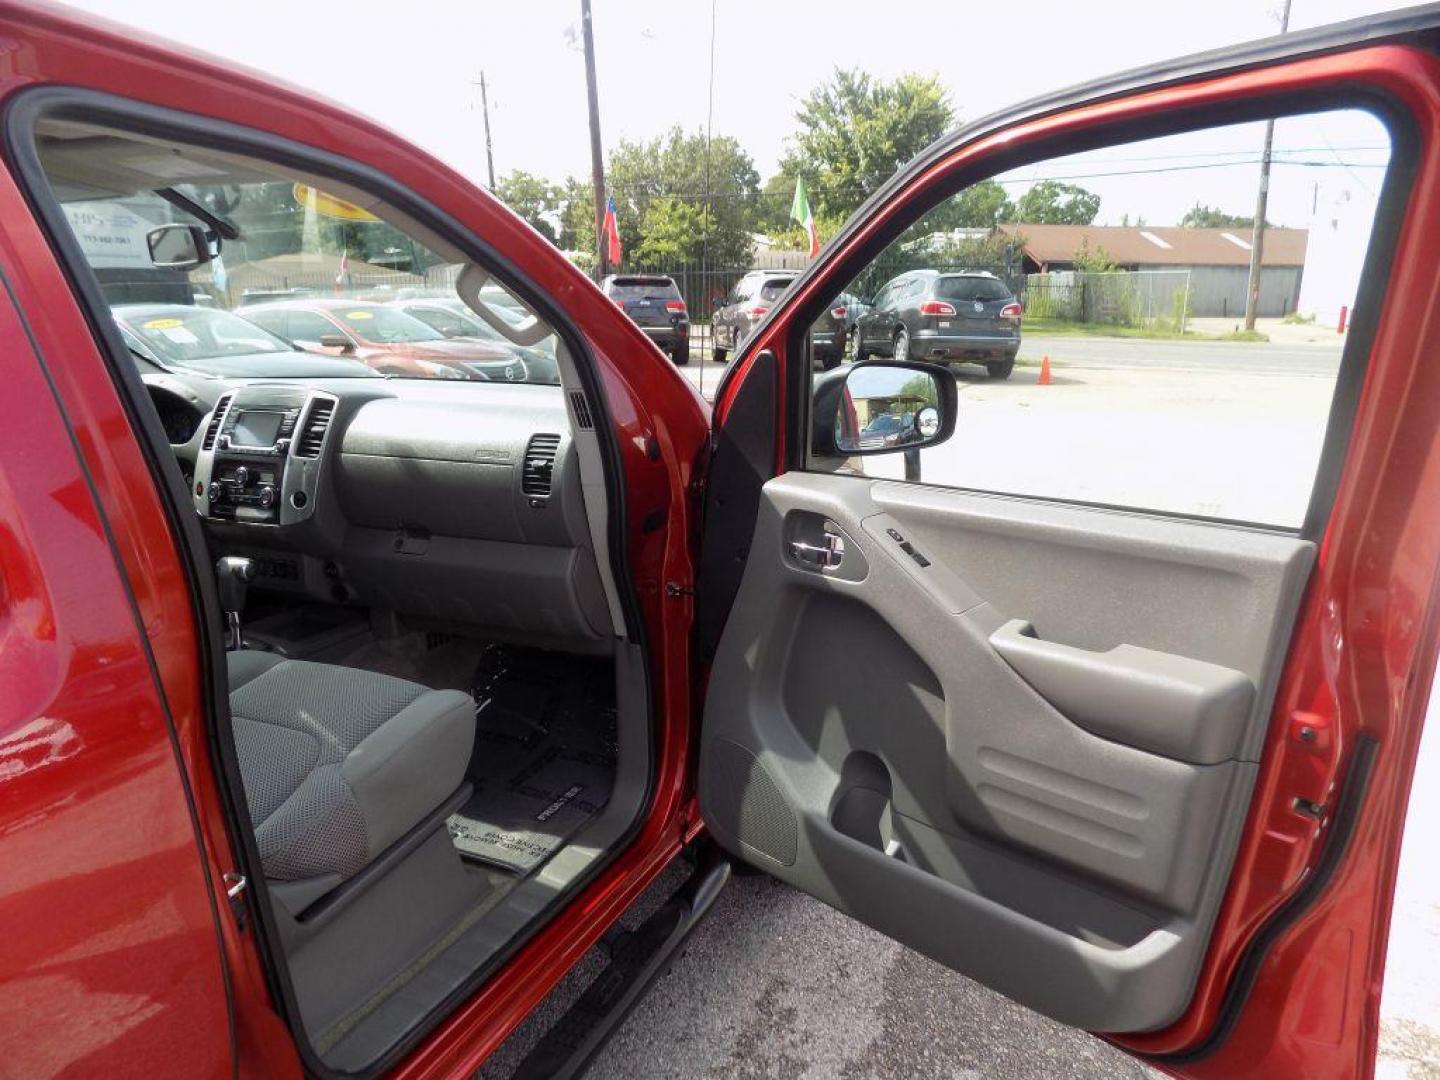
339	763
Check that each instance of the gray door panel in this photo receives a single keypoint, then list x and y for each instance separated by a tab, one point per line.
1057	822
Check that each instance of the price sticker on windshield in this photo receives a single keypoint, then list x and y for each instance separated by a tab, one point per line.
161	324
359	315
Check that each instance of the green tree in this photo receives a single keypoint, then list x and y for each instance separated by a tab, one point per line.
669	231
672	167
534	198
1098	261
1054	202
576	202
1209	217
855	131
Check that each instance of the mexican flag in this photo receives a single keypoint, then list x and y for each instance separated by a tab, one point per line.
800	211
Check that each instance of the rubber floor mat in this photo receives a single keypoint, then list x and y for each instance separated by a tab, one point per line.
544	760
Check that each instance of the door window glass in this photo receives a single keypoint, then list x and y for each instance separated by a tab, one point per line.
1092	310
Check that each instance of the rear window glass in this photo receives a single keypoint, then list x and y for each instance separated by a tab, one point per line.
774	288
971	288
643	288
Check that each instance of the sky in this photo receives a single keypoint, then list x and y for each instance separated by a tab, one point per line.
416	66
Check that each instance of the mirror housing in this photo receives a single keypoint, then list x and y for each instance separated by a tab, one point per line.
336	341
180	247
882	407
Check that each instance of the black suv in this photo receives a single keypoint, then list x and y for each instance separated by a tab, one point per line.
654	302
944	317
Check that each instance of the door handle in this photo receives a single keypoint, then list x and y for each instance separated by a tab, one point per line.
826	555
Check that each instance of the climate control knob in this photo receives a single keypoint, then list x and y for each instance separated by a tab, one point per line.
215	492
242	476
267	496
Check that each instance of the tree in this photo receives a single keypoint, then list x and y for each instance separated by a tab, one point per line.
855	131
1054	202
576	202
1208	217
1098	261
534	198
672	167
669	231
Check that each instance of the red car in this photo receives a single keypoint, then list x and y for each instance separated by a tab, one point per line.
384	337
479	661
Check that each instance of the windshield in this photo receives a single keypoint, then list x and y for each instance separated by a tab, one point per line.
340	268
386	326
185	335
971	288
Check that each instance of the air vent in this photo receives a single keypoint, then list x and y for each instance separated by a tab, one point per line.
581	408
539	464
312	435
217	417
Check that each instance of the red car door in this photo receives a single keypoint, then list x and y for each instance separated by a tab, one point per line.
111	961
920	701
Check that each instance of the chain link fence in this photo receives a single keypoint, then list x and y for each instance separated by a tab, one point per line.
1152	299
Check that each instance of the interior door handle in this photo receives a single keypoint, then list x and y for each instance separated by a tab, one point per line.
826	555
1171	705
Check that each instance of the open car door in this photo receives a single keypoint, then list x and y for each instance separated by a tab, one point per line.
1142	767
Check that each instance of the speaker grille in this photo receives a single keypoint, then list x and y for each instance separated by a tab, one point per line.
746	803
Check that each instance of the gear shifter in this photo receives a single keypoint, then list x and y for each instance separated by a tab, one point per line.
235	573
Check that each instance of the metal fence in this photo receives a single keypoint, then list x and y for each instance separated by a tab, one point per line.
1154	299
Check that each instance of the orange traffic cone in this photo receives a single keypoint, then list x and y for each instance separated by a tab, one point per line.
1045	377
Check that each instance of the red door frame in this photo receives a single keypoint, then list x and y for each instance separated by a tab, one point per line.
1363	654
661	430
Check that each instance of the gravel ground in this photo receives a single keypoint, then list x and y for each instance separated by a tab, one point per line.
775	984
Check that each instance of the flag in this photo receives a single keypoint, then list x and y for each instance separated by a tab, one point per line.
612	233
344	269
800	211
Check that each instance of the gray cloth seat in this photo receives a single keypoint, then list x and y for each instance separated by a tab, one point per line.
339	763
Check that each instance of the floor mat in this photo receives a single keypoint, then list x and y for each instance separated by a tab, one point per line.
544	759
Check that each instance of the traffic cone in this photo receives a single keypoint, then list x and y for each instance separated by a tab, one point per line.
1045	377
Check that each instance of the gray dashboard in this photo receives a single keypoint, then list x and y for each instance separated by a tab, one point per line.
447	503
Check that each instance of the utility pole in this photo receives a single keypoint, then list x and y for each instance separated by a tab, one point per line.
485	105
597	160
1262	199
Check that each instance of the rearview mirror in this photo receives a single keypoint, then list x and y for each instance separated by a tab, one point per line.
882	407
179	247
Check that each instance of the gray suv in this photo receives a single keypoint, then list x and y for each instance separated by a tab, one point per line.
751	300
943	317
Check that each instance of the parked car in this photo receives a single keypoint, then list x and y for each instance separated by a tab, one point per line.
751	300
389	340
515	656
450	316
655	303
943	317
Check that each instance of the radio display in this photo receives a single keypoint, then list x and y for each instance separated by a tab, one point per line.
257	428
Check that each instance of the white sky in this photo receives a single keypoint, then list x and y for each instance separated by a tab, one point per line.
413	65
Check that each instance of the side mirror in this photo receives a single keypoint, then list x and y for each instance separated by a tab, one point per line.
179	247
882	407
336	341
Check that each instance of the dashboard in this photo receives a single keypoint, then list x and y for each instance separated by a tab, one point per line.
455	504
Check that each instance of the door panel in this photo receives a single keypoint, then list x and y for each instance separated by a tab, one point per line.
1063	837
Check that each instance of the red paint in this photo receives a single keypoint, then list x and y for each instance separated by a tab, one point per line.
110	901
1344	315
